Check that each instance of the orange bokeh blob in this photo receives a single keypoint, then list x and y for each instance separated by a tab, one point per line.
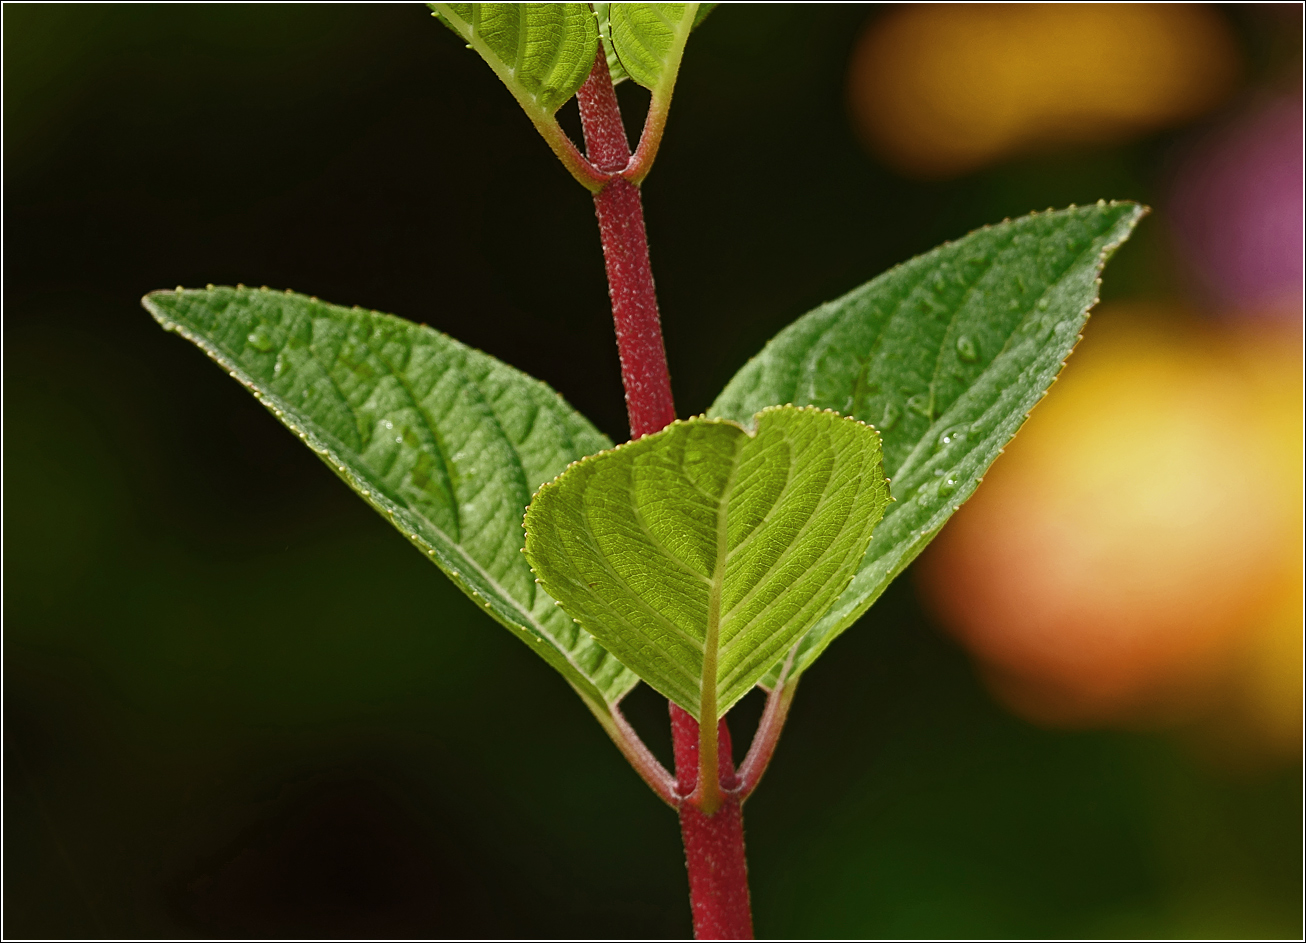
1139	543
940	89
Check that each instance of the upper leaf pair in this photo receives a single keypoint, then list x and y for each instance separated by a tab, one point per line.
544	52
945	354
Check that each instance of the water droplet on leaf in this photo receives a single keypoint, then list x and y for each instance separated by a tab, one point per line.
259	339
966	349
950	435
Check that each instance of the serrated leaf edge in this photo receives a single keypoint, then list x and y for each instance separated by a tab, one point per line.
935	524
529	629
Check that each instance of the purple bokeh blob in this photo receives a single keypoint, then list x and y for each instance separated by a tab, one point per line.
1236	210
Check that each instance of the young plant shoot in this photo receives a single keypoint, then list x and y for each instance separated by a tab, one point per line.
706	556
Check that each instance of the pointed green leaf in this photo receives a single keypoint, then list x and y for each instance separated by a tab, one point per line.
945	355
446	442
703	10
646	40
699	555
541	51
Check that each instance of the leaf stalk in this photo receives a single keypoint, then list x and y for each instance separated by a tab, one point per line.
641	757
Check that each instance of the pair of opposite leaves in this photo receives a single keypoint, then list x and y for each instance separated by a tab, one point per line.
544	52
711	556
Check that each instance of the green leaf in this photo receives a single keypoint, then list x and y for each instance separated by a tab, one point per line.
945	355
699	555
645	41
541	51
703	10
446	442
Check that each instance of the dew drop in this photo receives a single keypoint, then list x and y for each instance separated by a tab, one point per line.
259	339
947	488
966	349
1042	304
951	435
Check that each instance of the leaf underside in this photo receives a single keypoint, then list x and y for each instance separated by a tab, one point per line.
699	555
644	41
446	442
945	355
543	52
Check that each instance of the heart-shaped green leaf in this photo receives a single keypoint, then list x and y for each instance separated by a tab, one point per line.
541	51
699	555
446	442
946	355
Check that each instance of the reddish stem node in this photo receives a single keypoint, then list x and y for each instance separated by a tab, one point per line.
714	844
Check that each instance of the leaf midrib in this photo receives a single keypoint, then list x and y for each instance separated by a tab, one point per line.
956	314
907	467
441	452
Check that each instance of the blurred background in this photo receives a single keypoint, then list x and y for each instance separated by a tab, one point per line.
236	703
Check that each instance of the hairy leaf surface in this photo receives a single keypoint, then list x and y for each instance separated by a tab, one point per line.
945	355
446	442
648	35
541	51
699	555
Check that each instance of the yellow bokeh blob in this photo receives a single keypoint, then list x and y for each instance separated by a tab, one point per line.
1136	554
937	90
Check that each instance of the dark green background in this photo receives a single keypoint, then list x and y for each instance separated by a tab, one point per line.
237	703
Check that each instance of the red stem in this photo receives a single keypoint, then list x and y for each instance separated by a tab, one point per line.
714	844
625	253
